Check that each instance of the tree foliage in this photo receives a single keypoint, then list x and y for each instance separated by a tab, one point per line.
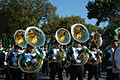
103	10
67	22
19	14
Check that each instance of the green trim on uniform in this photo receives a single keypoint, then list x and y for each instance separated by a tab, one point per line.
53	39
106	61
69	55
0	41
41	54
2	50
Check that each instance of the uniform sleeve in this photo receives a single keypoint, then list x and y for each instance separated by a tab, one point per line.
91	53
3	56
49	55
106	61
8	55
40	54
2	53
69	53
5	62
100	52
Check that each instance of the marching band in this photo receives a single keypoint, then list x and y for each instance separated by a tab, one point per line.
32	54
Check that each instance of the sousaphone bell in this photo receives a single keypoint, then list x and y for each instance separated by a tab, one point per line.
35	36
19	38
80	33
63	36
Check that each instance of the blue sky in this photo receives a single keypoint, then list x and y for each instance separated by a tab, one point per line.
74	7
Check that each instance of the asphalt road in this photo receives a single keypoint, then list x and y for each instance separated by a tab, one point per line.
44	77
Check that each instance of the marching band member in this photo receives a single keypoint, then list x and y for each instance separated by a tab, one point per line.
2	58
88	43
93	69
116	55
76	54
116	60
8	74
30	55
45	62
95	55
108	60
30	62
64	58
93	52
75	71
2	54
55	67
12	63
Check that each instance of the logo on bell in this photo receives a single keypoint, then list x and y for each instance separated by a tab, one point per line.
35	40
62	38
79	36
19	40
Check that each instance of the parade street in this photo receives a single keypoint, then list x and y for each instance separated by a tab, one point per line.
44	77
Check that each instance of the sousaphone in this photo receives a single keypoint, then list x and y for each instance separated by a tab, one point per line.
36	38
19	38
20	41
81	34
63	36
118	33
96	41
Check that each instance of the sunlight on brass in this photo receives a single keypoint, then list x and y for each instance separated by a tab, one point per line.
19	39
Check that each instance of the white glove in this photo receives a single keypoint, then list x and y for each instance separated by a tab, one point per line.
93	56
100	51
53	56
28	60
34	54
33	60
14	64
3	51
77	61
63	59
84	47
5	63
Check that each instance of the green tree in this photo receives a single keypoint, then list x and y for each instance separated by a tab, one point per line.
67	22
63	22
19	14
103	10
